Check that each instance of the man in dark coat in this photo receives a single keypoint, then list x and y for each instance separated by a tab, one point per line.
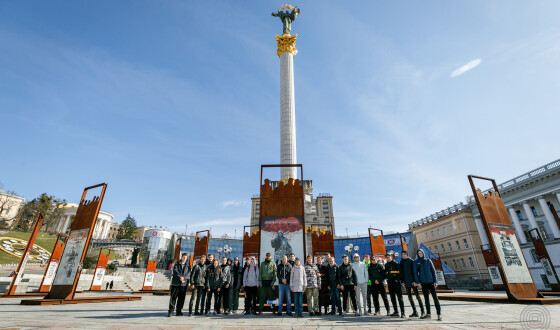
393	274
347	283
333	284
179	284
407	278
208	264
376	274
237	276
324	294
426	279
213	286
198	282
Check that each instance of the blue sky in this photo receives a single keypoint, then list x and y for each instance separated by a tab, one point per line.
175	104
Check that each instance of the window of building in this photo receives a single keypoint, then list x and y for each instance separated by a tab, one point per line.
432	233
452	228
463	263
545	281
458	245
534	256
449	246
519	215
257	206
442	248
527	235
436	249
471	262
427	235
543	233
534	211
445	230
465	243
439	232
327	220
454	264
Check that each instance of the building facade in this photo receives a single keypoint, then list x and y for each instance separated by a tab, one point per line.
10	204
64	222
533	202
453	236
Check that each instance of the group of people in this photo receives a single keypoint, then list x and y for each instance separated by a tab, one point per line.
359	281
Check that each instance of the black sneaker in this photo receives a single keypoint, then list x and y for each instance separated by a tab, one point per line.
402	316
247	312
341	314
179	314
415	314
278	314
311	313
289	314
169	314
318	313
331	313
196	313
395	314
426	316
300	315
388	313
190	314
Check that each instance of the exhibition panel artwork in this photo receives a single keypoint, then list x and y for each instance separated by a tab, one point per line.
282	236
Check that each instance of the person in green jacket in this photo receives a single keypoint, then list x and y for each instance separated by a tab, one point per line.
369	293
267	277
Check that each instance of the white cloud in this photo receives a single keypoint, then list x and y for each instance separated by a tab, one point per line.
469	66
231	203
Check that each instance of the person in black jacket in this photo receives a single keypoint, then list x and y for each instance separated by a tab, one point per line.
283	271
347	283
227	281
376	273
237	275
213	286
208	264
393	274
324	295
407	278
198	281
333	283
179	284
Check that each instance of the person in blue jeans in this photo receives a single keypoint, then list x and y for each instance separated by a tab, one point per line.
283	272
298	283
333	282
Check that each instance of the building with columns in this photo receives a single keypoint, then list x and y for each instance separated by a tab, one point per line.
62	225
533	202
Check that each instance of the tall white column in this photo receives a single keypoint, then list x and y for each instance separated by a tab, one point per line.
518	229
286	51
481	232
59	224
530	215
66	223
550	218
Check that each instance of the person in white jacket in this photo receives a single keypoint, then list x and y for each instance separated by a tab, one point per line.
362	279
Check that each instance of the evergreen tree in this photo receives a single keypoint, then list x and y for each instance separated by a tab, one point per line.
127	229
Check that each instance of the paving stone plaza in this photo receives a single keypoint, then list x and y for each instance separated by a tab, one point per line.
151	313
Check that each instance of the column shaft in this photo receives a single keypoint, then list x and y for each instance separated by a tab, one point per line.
518	229
481	232
287	115
550	218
